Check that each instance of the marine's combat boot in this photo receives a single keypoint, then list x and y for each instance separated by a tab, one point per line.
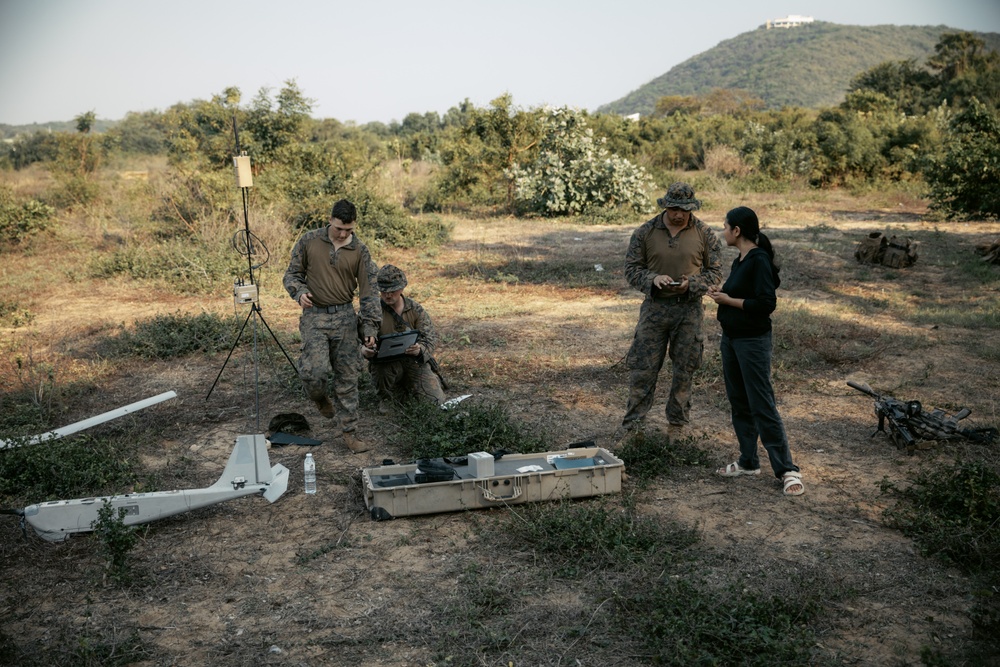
354	443
325	407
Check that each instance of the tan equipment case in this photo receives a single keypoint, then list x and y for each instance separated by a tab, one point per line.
480	481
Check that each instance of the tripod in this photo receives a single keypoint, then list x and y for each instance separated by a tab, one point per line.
246	243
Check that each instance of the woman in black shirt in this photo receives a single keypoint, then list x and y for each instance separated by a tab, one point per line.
746	302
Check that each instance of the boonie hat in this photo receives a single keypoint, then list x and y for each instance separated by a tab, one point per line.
679	195
391	279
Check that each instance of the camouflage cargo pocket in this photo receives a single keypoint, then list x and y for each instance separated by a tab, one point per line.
872	249
899	253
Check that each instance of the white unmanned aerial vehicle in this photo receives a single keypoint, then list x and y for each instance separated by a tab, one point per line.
247	473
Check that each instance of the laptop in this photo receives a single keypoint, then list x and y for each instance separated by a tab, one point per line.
393	346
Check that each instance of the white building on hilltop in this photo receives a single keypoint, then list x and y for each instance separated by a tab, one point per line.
790	21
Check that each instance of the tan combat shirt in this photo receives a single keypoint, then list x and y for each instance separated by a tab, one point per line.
332	276
694	251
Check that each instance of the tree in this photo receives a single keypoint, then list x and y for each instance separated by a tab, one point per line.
960	69
966	70
912	88
85	121
273	128
848	147
963	181
200	133
671	105
139	132
868	102
731	102
40	146
490	143
778	144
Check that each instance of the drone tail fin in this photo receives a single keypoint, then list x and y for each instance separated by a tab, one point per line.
249	464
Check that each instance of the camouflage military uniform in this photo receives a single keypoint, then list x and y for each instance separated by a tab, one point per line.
669	324
330	329
411	376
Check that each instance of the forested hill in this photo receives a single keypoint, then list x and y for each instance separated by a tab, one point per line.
809	66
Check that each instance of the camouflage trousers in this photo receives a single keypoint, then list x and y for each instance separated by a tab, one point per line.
330	344
664	327
405	378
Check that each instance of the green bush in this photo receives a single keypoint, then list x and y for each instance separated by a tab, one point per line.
191	267
610	537
684	622
65	468
574	172
116	539
21	218
85	645
168	336
75	190
190	200
963	181
951	513
427	431
27	149
13	315
648	455
393	227
21	412
379	222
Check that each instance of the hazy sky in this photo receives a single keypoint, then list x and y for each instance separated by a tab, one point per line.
366	60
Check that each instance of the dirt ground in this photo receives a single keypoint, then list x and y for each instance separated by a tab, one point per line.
311	580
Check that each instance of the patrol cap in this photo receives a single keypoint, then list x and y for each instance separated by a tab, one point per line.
391	278
679	195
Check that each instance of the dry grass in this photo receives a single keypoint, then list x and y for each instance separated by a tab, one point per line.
528	324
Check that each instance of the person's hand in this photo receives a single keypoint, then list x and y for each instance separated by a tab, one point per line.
367	352
717	295
660	282
306	300
370	342
667	284
414	350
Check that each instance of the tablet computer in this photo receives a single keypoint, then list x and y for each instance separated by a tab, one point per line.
393	346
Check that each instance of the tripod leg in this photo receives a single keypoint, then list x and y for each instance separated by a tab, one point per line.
235	343
266	326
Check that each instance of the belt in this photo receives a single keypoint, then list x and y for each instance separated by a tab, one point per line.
330	309
680	298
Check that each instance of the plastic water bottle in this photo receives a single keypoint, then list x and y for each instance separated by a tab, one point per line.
310	474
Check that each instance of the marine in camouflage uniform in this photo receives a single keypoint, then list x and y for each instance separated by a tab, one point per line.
328	266
673	259
414	374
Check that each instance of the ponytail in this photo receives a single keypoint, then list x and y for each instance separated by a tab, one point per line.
745	218
764	244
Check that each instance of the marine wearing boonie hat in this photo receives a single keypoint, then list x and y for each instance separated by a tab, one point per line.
391	278
679	195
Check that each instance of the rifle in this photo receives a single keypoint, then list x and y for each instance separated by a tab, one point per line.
909	423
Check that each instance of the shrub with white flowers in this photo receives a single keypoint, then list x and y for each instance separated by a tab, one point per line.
574	172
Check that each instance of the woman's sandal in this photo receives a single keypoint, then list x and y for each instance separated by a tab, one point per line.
790	479
734	470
